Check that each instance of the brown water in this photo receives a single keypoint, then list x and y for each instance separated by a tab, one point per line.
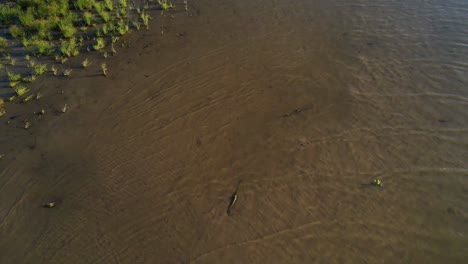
303	101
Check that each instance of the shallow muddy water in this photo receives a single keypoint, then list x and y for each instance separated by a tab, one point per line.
302	101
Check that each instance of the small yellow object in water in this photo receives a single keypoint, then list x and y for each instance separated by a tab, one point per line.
377	182
27	124
27	99
64	108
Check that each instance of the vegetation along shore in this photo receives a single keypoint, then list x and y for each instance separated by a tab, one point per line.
39	37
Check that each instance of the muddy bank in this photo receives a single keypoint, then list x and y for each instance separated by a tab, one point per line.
302	101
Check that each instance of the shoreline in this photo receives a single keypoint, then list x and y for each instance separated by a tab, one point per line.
48	96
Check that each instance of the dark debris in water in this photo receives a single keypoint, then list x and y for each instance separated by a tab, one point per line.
233	199
297	111
373	43
49	205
